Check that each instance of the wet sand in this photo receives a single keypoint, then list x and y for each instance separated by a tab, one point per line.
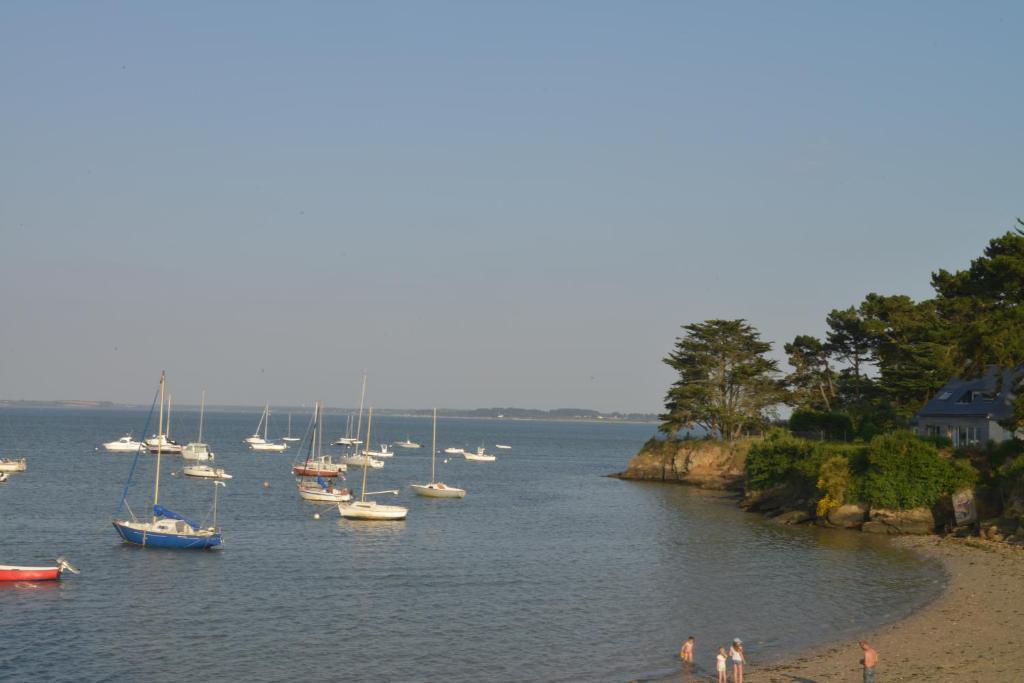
973	632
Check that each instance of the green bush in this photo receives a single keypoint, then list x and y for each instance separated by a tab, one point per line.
831	426
906	472
782	458
834	480
772	461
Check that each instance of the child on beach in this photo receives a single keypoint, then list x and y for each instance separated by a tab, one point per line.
686	651
738	660
722	675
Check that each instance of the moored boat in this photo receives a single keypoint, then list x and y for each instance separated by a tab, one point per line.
479	456
371	510
359	460
436	489
10	572
126	444
205	472
166	528
13	464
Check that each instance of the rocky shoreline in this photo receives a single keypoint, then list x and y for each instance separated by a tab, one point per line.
719	465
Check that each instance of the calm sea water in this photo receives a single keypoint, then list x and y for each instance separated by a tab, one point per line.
546	571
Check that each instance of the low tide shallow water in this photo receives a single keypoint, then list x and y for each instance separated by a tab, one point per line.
546	571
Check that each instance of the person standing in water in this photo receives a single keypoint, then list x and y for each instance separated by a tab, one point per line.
723	677
869	661
686	651
738	660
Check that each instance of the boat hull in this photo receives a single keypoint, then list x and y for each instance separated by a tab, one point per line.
321	496
269	447
19	465
300	471
13	573
155	539
428	491
373	512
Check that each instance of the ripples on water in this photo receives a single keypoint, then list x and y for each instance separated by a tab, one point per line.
546	571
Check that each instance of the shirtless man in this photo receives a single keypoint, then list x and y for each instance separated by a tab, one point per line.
870	661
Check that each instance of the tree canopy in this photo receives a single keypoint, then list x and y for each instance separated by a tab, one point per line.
726	383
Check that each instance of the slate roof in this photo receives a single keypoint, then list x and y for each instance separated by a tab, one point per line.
978	397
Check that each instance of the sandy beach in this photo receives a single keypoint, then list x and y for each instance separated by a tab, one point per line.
973	632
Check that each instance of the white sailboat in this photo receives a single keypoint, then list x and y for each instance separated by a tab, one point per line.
290	438
436	489
162	441
256	438
314	488
205	471
371	510
265	444
197	450
348	440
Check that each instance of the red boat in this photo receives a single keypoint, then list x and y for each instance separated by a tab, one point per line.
319	467
15	573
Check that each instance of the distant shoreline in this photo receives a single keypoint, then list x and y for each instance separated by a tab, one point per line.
603	418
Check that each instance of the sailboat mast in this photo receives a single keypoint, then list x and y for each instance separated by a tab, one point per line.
320	431
202	409
266	420
359	424
170	399
433	450
159	444
289	425
366	458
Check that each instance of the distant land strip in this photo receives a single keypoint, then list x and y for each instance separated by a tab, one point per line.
480	413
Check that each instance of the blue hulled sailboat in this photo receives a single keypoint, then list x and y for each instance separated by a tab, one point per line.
166	528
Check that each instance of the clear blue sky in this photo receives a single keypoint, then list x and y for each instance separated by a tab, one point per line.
481	203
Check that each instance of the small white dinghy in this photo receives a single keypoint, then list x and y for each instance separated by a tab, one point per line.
436	489
4	477
502	446
452	450
371	510
269	446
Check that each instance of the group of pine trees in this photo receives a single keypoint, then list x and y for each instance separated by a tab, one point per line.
878	363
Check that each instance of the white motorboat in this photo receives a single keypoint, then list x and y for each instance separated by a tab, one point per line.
197	450
206	472
479	456
502	446
408	444
371	510
452	450
382	452
126	444
436	489
13	465
358	460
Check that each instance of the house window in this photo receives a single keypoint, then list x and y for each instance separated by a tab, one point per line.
933	430
966	436
967	397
